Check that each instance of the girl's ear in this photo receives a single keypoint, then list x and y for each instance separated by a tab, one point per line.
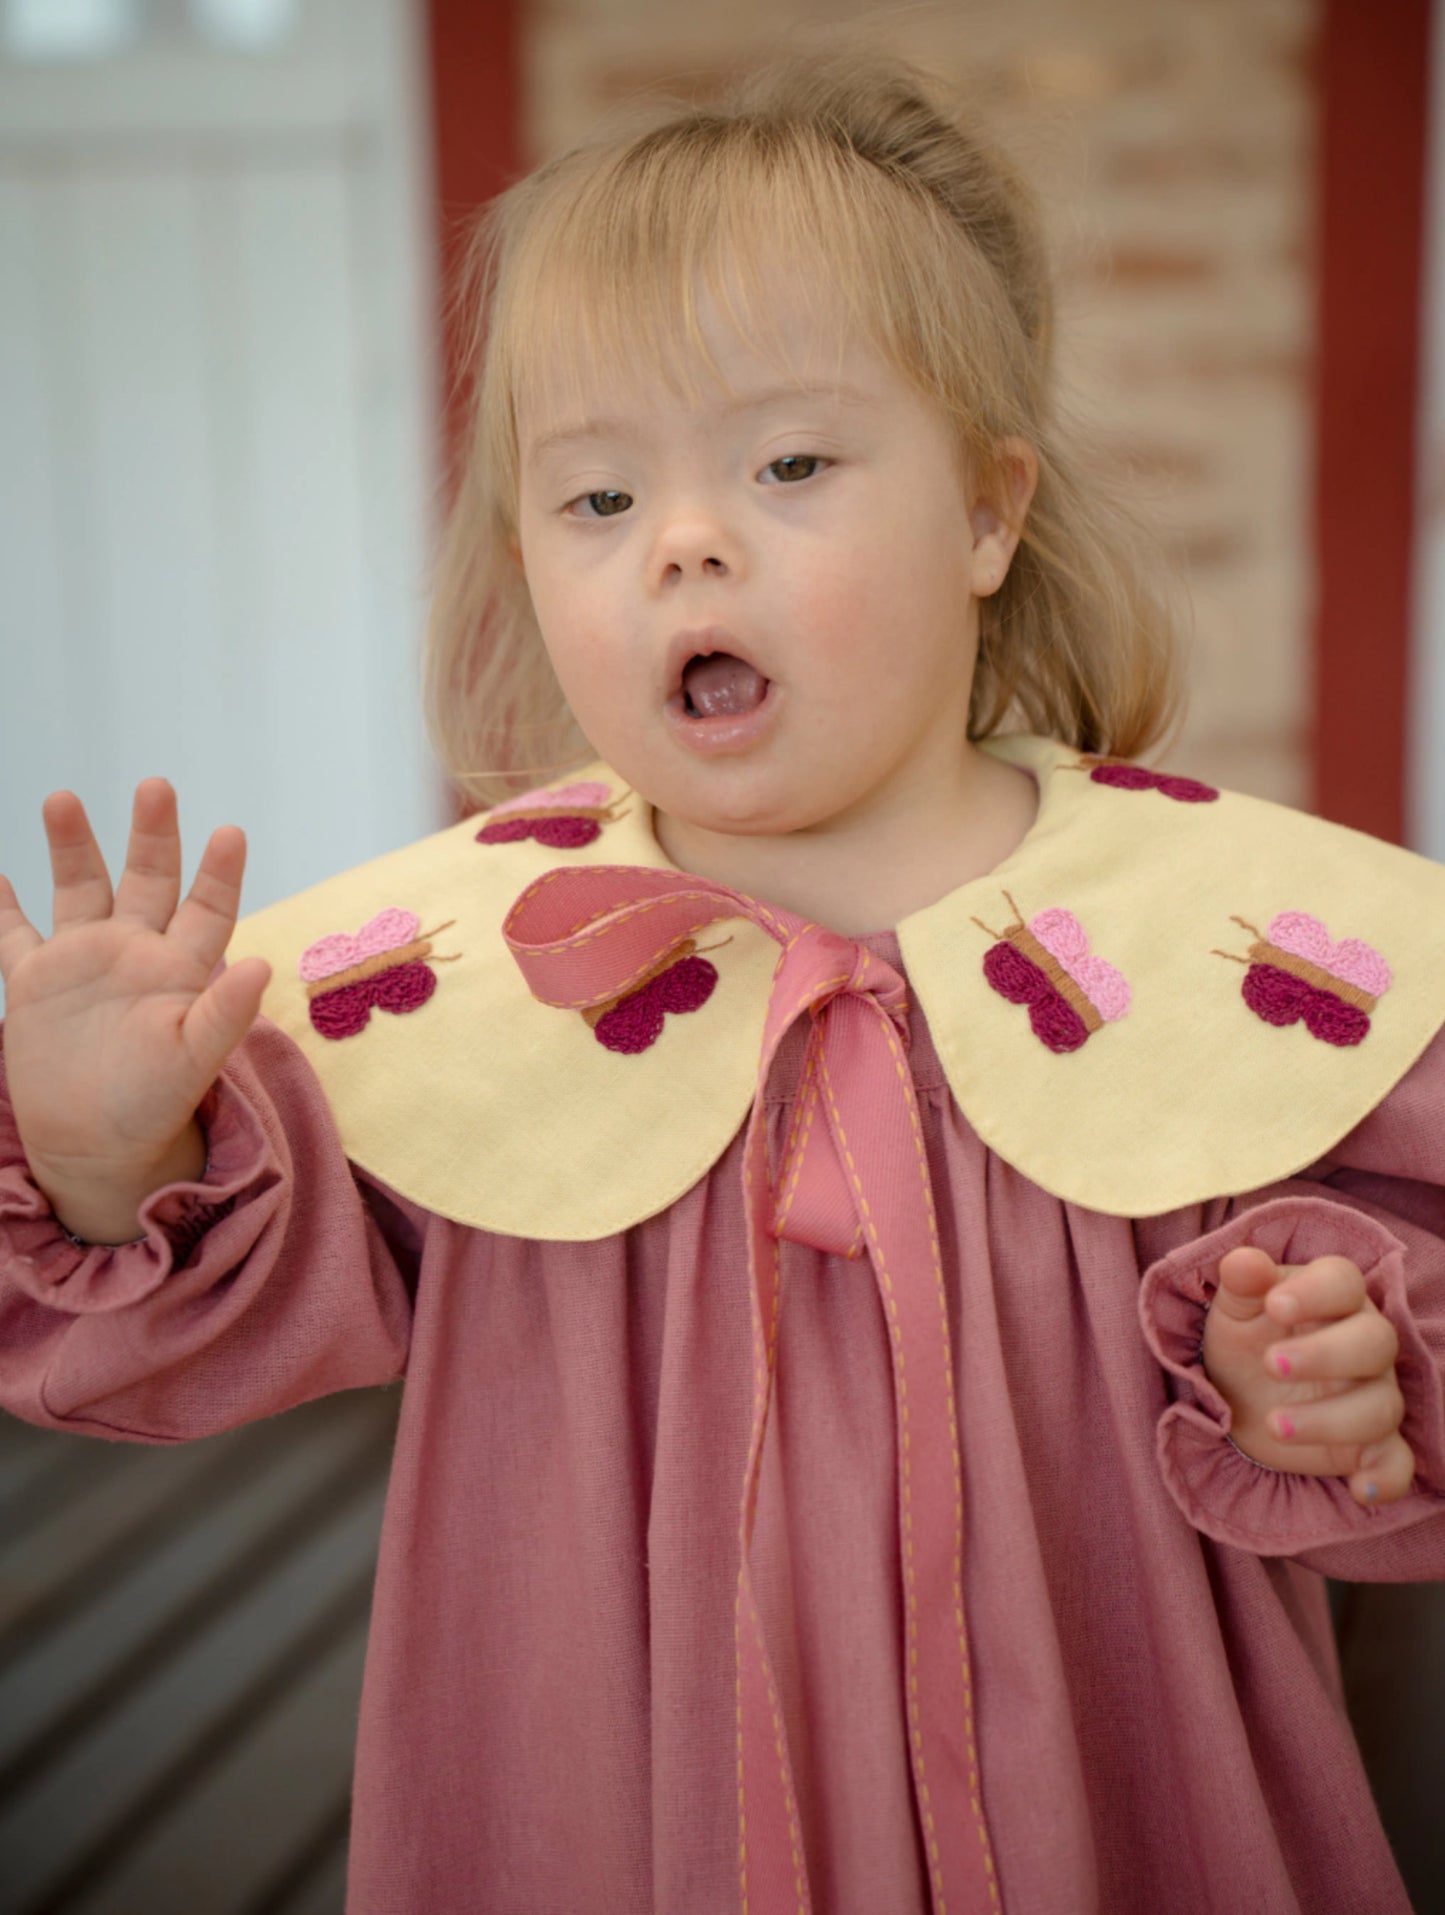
997	521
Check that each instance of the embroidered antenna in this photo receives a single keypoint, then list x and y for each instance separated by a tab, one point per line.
1047	965
385	965
1296	971
1123	776
565	819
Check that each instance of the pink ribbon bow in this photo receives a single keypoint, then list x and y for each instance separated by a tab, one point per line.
853	1178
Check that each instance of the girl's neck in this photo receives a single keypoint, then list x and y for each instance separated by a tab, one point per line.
867	873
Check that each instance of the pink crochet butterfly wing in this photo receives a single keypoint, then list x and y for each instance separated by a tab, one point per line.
338	952
1351	960
1065	939
586	796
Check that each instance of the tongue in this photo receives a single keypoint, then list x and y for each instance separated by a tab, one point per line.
723	686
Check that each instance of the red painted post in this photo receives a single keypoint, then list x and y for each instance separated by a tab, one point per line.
1370	178
473	65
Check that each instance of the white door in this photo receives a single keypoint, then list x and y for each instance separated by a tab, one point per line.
216	386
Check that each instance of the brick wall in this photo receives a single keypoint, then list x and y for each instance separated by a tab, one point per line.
1171	145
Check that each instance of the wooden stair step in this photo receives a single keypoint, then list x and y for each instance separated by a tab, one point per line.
81	1662
63	1827
265	1800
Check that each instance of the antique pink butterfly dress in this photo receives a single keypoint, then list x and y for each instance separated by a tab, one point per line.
807	1491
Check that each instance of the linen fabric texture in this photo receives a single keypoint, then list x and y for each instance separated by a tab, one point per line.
548	1717
1187	1095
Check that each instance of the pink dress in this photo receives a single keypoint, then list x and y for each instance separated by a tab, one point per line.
548	1716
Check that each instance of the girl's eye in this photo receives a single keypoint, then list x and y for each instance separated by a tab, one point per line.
604	503
793	461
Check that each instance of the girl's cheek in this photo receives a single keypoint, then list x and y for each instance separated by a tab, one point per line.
850	630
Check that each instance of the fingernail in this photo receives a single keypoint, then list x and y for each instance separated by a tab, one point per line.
1372	1490
1287	1307
1282	1365
1283	1427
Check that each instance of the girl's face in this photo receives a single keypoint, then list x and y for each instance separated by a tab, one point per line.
761	610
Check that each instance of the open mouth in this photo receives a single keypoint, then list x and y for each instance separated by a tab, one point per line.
721	686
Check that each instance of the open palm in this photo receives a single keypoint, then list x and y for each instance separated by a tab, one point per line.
118	1023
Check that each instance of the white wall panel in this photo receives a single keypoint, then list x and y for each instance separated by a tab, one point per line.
137	423
308	643
215	462
35	663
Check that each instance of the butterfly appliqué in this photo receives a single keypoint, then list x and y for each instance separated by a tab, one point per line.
1295	971
564	820
1047	965
634	1022
1123	776
384	966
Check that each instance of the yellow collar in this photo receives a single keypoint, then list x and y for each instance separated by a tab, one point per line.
1107	1004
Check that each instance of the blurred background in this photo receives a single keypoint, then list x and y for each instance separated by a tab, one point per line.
226	403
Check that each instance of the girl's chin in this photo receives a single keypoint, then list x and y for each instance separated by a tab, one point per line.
689	817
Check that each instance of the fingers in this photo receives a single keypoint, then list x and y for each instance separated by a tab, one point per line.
1251	1283
82	883
1356	1349
1336	1343
1385	1474
17	934
1368	1414
206	919
223	1013
150	884
1328	1287
1246	1277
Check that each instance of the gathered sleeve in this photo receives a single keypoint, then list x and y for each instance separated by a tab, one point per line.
282	1274
1377	1198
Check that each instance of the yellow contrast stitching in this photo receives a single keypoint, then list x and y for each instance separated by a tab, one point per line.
797	1146
794	1837
892	1305
742	1797
973	1783
579	934
764	1360
808	1103
805	1107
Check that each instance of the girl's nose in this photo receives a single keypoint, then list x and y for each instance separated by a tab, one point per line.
693	547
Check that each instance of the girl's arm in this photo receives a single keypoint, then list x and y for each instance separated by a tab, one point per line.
1378	1200
230	1266
276	1276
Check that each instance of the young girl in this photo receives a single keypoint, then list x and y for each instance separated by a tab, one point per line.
909	1244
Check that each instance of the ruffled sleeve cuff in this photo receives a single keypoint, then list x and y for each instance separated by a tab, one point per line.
43	1260
1223	1492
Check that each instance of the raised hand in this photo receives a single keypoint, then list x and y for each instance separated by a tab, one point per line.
118	1023
1307	1365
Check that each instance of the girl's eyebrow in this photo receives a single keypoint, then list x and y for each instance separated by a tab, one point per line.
748	402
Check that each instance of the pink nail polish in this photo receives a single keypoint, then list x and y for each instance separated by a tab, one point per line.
1282	1364
1284	1426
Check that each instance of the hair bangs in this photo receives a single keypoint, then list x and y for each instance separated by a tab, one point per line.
614	276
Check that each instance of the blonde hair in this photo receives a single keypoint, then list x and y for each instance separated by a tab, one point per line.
846	162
